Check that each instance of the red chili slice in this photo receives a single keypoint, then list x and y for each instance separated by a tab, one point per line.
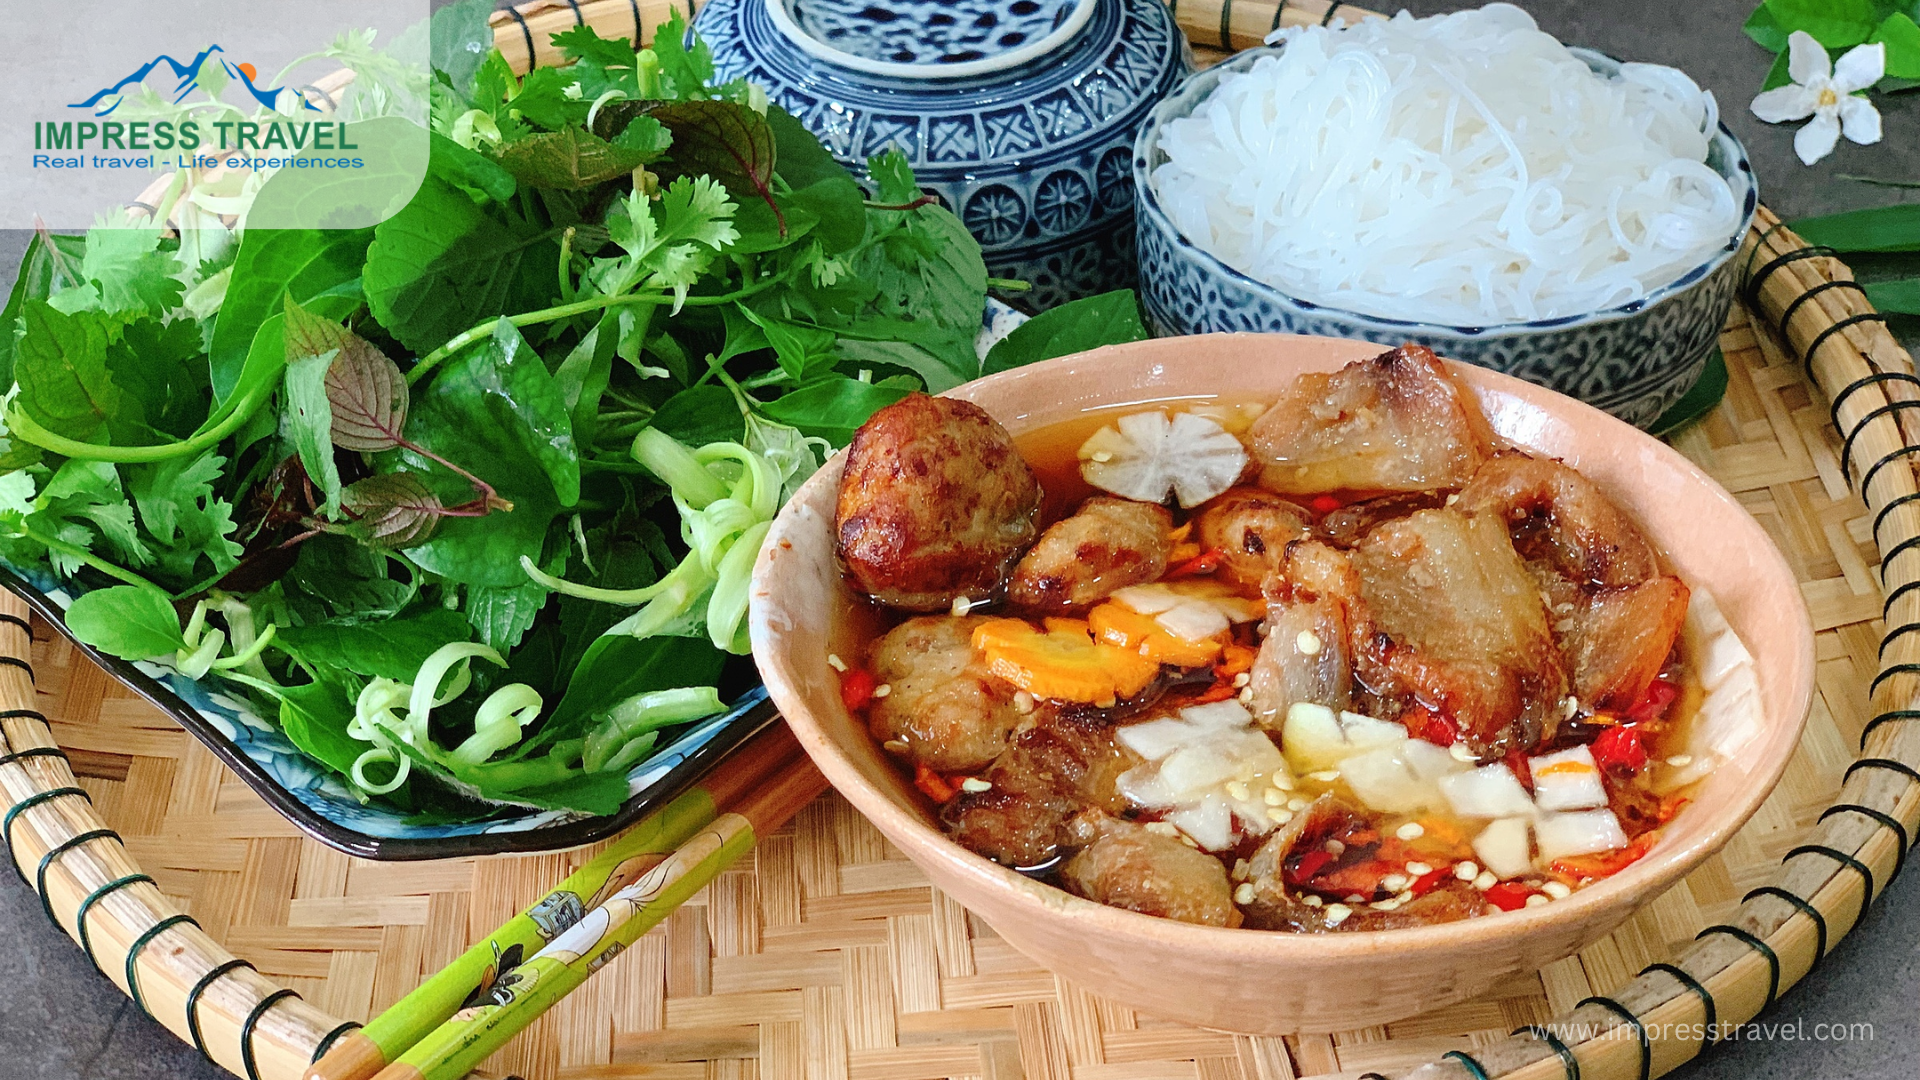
1324	504
1204	563
1620	751
856	688
1653	704
1508	895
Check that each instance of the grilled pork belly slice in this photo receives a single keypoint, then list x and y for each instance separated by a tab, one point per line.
1127	865
1397	422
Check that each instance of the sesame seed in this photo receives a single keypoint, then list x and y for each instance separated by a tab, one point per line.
1569	707
1243	894
895	746
1246	696
1412	830
1282	781
1459	752
1242	679
1557	889
1680	761
1453	498
1355	898
1106	703
1311	900
1022	701
1386	905
1337	914
1273	797
1188	840
974	783
961	605
1485	880
1279	815
1297	804
1538	900
1325	776
1394	882
834	662
1237	789
1101	456
883	690
1308	643
1466	871
1419	869
1405	896
1334	847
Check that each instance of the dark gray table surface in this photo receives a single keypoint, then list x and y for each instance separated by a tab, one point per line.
61	1020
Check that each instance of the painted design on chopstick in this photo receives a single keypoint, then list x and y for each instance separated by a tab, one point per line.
497	978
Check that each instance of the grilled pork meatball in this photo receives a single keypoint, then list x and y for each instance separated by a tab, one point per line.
1050	771
1250	528
952	715
1108	544
935	504
1128	866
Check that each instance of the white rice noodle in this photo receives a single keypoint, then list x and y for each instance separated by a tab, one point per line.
1464	169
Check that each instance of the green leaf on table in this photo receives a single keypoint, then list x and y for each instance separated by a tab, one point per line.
314	717
1108	319
272	264
1698	401
1765	30
393	648
1777	75
574	159
126	621
461	38
833	407
1884	228
444	264
1901	35
1901	297
61	366
729	142
1837	24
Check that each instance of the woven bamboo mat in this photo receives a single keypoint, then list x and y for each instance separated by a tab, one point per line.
827	956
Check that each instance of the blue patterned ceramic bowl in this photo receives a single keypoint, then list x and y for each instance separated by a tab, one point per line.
1633	361
1019	114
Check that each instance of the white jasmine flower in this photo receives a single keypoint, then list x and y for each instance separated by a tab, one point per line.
1825	93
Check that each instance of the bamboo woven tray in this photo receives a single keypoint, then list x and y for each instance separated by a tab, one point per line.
825	956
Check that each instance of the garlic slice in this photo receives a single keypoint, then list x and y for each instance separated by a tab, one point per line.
1144	456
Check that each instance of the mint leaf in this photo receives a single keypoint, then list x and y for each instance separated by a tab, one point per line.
1837	24
1901	36
616	668
272	264
126	621
61	366
834	407
307	423
336	578
392	649
819	184
444	264
1107	319
502	615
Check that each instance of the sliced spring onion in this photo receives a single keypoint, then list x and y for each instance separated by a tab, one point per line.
498	722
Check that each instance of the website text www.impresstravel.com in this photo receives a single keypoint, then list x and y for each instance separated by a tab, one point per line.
1796	1029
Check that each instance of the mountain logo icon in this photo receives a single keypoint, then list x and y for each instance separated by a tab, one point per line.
186	78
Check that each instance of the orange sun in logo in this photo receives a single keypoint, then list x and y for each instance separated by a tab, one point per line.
249	71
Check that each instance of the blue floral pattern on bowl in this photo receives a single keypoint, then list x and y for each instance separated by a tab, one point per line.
1634	361
1030	143
315	800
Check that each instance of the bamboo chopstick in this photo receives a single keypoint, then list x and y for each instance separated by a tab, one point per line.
754	768
522	994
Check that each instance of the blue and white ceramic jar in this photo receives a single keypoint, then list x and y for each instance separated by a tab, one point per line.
1020	114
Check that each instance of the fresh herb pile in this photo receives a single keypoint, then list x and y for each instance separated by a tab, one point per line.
473	495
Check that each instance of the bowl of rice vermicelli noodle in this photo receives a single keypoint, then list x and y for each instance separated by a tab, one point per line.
1465	181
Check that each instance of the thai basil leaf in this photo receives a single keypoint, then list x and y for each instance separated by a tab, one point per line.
1107	319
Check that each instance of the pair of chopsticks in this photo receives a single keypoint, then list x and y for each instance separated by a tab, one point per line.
458	1017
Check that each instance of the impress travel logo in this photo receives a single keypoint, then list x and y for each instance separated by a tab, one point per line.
134	143
245	115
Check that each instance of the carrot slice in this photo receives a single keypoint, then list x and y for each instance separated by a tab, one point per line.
1118	624
1062	662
